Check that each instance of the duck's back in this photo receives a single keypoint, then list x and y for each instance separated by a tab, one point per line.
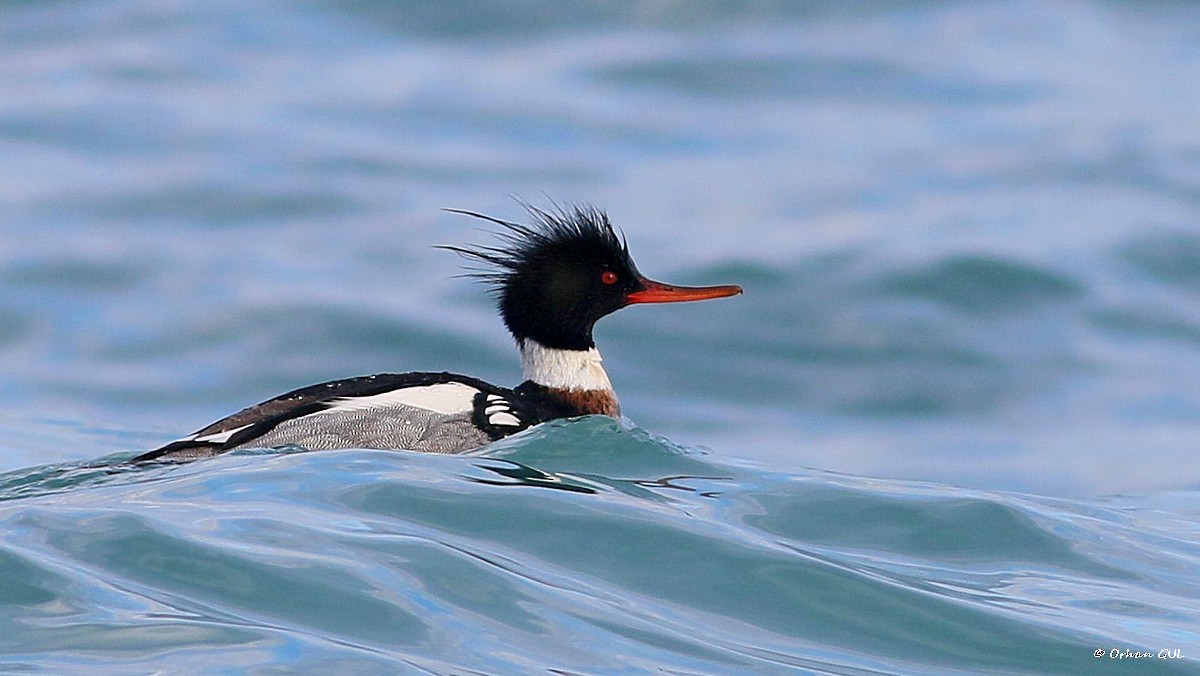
432	412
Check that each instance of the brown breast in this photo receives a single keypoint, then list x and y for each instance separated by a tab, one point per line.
601	402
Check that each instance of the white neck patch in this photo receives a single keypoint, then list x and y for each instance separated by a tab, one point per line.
563	369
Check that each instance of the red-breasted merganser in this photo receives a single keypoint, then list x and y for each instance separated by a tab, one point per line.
553	278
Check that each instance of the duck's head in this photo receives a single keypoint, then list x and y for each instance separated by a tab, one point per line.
559	274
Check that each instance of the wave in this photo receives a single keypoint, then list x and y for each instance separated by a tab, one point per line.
586	546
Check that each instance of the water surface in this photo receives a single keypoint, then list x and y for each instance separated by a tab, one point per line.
949	427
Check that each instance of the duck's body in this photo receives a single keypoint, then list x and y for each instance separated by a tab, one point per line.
554	280
432	412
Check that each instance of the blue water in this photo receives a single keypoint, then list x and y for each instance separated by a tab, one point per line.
949	427
583	546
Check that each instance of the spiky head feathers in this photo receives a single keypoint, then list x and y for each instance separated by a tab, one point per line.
556	276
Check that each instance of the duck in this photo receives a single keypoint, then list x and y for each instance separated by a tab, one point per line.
553	278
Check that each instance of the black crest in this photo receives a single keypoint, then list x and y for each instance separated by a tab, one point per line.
554	277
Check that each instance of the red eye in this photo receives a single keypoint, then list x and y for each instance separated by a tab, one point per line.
608	277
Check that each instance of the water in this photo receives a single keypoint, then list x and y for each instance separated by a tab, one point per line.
582	546
950	425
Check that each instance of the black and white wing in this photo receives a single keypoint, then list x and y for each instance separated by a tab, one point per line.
434	412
